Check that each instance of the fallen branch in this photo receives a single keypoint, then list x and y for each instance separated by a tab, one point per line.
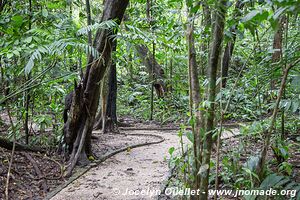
7	144
233	125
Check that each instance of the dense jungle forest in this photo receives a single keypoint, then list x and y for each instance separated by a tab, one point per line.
150	99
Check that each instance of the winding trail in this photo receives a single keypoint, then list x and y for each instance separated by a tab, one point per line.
143	168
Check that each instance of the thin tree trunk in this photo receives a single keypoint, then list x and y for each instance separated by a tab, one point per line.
268	133
206	23
27	95
12	153
230	44
286	27
213	66
170	87
89	20
277	48
194	95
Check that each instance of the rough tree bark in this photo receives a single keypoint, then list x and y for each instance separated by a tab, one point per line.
111	121
214	55
159	75
230	44
194	95
206	23
86	95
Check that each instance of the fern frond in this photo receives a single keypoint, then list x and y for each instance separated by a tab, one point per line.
103	25
57	48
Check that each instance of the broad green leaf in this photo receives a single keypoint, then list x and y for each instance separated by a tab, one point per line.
17	53
270	181
10	55
279	12
45	12
18	20
171	150
195	8
28	40
29	66
190	136
203	169
252	163
250	15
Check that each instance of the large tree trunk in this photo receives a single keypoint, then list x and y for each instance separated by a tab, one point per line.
213	66
158	73
86	95
230	44
107	116
111	122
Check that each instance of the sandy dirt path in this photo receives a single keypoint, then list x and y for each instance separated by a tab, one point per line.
142	168
126	175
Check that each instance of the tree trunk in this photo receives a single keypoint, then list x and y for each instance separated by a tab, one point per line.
107	116
269	132
194	96
111	122
158	73
230	44
277	48
213	66
206	23
89	20
27	92
86	95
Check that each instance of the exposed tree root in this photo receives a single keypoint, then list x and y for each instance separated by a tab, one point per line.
231	125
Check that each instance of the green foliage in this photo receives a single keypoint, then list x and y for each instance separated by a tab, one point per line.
279	183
